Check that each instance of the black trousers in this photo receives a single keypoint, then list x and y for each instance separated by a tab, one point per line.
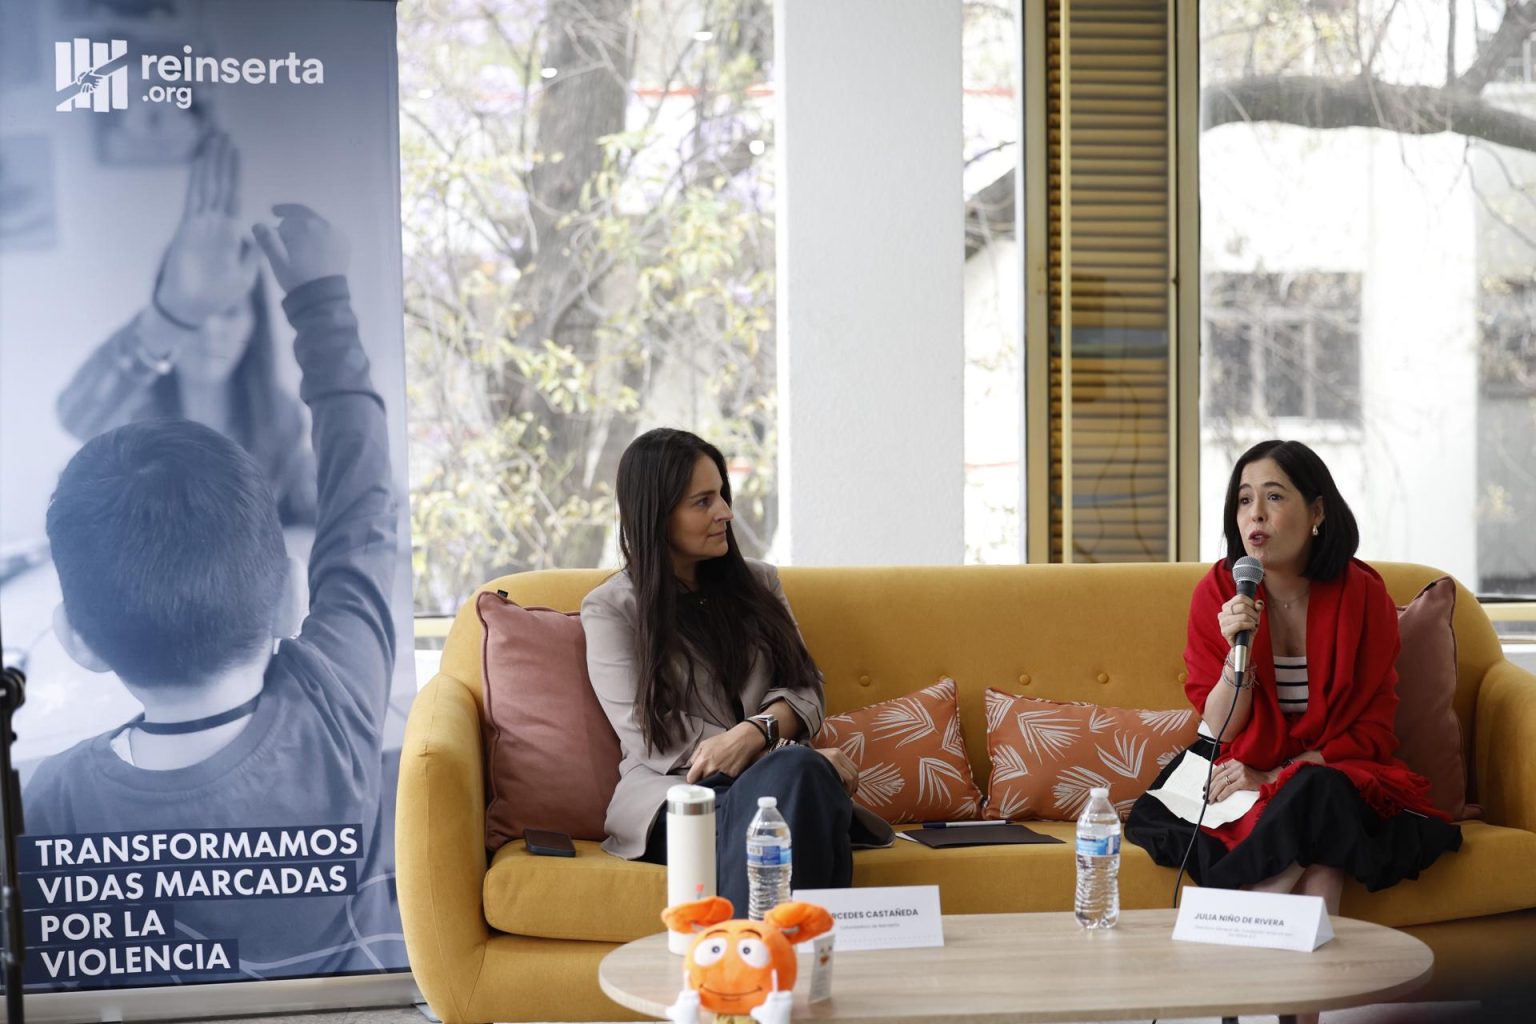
811	799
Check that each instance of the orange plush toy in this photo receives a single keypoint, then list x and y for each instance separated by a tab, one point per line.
741	967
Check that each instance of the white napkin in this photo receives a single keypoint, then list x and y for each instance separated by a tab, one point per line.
1182	794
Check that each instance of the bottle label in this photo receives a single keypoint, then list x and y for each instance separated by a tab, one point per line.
1098	846
767	856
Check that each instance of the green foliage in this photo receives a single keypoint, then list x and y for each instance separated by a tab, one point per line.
568	286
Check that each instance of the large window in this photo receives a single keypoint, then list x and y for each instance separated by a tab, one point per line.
589	252
1368	243
993	283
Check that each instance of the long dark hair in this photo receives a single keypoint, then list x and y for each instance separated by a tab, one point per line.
734	616
260	420
1338	537
252	383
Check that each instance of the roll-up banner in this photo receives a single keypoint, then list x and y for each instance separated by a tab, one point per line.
204	560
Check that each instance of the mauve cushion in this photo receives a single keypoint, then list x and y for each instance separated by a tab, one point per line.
1428	732
552	758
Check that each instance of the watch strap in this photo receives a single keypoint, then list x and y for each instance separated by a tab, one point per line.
768	726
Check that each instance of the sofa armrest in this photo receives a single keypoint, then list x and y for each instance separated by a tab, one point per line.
440	845
1505	726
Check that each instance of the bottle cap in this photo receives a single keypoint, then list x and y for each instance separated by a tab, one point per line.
1099	792
767	801
690	800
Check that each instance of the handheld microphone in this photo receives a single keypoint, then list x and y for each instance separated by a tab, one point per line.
1247	573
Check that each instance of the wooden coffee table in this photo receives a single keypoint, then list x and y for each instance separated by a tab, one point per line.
1001	968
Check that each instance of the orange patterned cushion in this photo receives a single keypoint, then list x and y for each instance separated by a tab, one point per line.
910	755
1046	755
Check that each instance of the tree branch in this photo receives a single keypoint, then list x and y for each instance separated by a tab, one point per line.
1368	61
1328	103
1519	21
989	213
1450	44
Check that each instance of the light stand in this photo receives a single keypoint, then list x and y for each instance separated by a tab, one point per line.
13	693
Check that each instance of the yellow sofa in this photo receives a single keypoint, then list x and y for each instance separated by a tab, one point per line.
519	937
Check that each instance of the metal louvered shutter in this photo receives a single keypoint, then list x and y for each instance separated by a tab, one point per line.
1109	202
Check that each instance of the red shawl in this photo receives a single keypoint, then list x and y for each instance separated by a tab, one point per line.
1352	646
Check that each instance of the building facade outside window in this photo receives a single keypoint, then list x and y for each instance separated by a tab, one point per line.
1368	239
1283	346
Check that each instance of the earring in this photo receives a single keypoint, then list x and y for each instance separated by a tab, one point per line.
1314	529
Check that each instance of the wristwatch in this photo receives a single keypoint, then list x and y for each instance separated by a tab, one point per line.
769	727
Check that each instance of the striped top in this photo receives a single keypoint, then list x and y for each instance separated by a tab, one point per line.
1291	684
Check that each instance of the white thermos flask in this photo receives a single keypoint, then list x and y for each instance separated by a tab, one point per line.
690	852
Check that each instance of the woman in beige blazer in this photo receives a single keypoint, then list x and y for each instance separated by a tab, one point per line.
701	670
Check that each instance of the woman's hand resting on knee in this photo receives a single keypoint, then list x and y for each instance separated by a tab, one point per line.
846	769
731	752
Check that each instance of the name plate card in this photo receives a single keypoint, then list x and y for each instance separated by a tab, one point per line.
821	970
881	917
1233	917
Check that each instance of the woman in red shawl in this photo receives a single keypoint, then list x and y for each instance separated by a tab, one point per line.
1310	726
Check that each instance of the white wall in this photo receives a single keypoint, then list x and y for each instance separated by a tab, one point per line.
870	292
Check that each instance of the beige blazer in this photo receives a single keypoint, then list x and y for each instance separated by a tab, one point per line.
608	615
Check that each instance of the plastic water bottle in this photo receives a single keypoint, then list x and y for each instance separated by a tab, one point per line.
1098	863
768	859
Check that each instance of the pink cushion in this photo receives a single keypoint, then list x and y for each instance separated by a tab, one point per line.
552	758
910	755
1428	731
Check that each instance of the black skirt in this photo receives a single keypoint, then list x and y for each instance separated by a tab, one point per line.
1317	817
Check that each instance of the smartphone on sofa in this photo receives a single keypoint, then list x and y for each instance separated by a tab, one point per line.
544	843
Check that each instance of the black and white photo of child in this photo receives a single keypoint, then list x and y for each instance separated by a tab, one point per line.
204	554
169	550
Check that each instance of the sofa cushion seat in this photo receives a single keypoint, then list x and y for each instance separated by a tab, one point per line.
1009	879
1490	874
594	895
601	898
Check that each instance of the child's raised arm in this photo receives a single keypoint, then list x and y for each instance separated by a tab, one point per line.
352	564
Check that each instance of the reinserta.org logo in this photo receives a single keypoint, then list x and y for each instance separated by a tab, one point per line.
95	75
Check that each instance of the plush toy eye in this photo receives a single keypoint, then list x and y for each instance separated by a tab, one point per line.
709	952
753	952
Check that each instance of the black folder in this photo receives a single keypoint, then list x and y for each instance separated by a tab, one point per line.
978	835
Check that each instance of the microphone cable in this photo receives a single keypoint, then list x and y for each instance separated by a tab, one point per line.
1205	796
1247	574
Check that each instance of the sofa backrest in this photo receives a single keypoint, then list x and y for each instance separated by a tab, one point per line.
1109	634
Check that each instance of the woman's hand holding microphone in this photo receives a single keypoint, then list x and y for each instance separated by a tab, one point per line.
1238	615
